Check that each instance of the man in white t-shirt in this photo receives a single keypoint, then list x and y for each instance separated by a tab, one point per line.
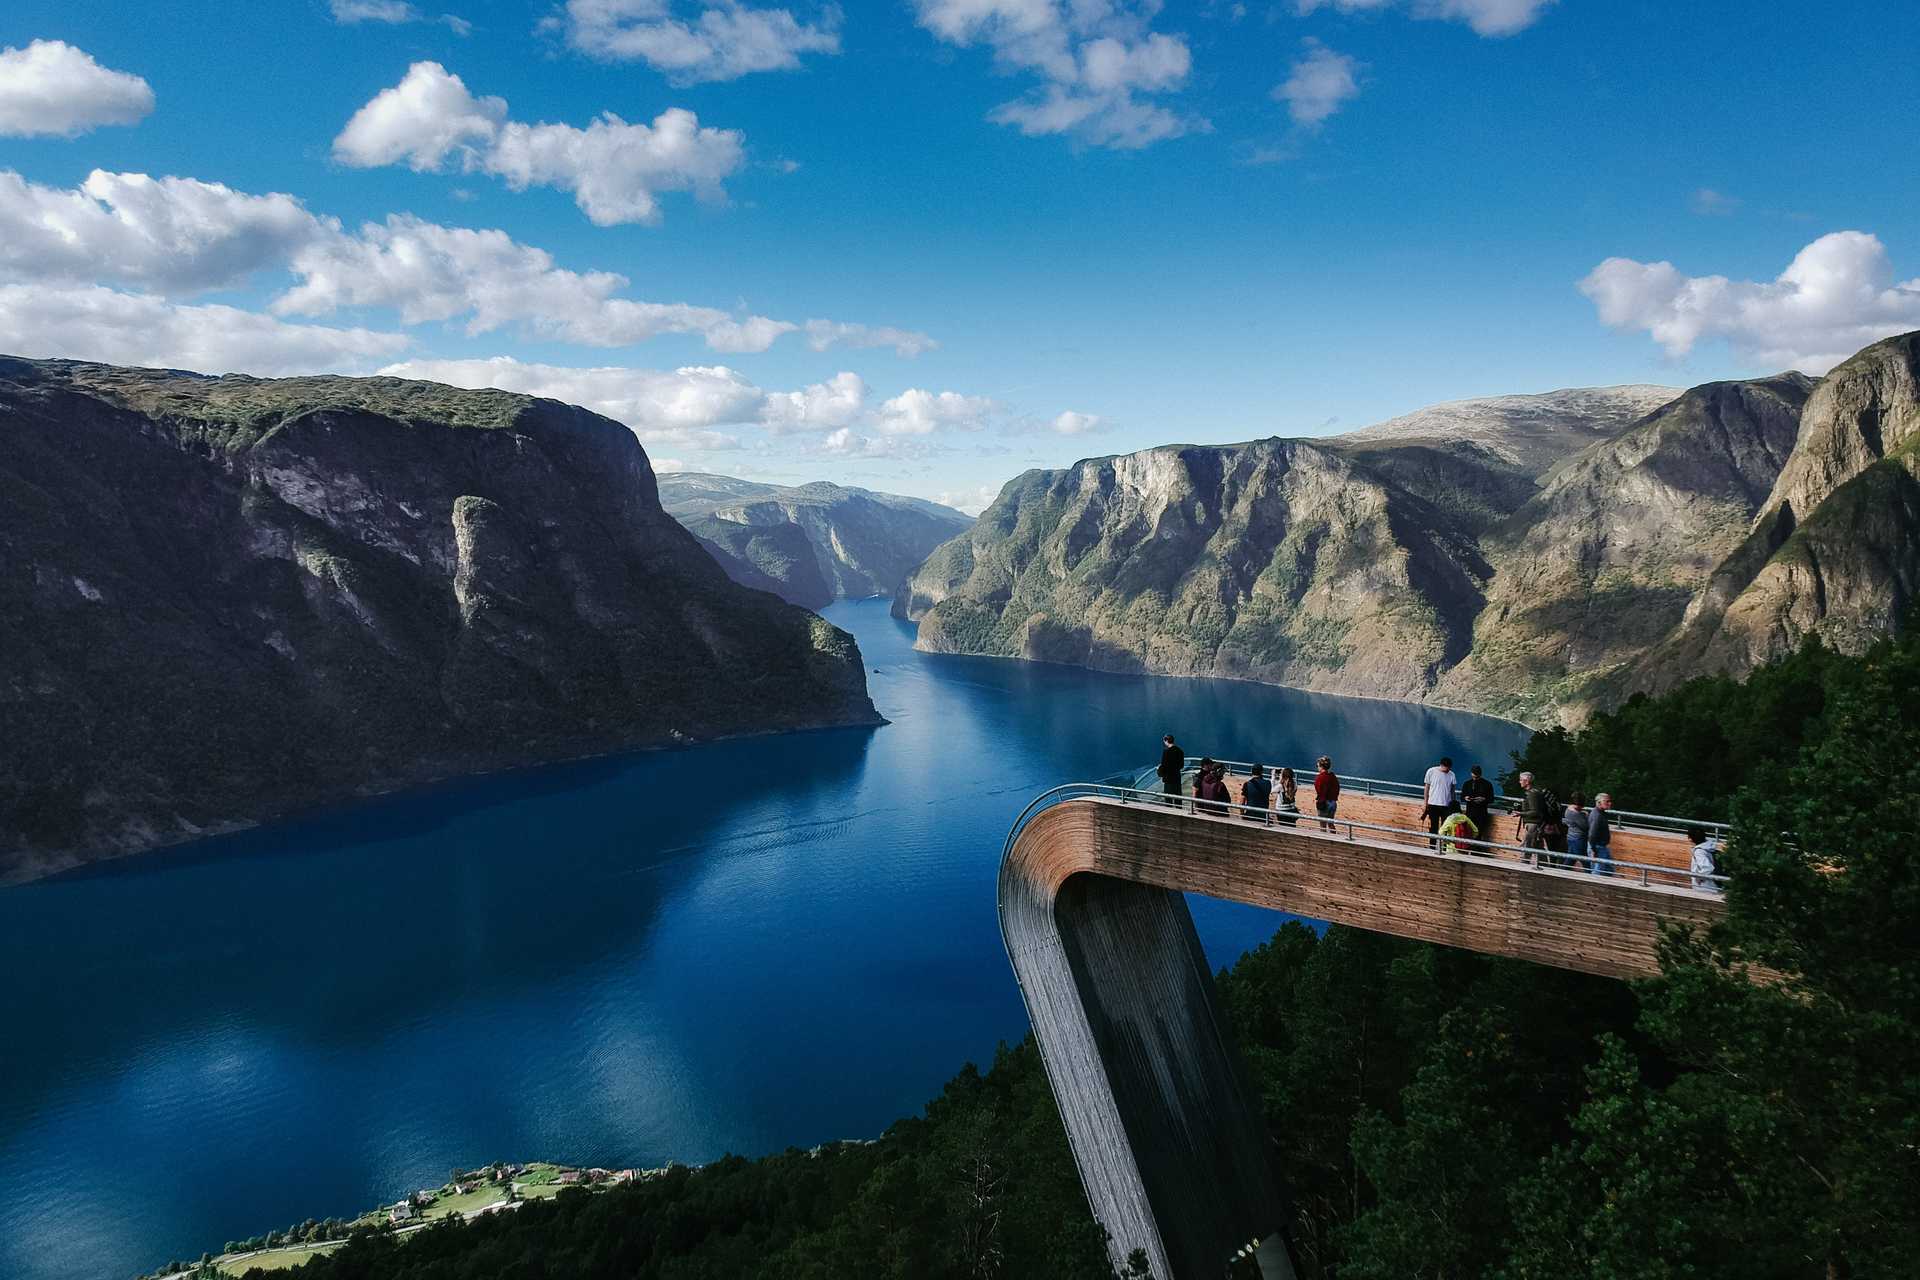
1441	788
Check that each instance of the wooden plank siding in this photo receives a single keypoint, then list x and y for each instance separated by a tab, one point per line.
1173	1157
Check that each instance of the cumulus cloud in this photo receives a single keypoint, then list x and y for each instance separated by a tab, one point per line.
971	501
173	234
614	170
915	412
51	89
1072	423
1836	296
1486	17
1318	84
180	235
1095	58
838	402
688	407
90	322
723	41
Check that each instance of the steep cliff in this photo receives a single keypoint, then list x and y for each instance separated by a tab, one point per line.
817	542
1835	550
1522	555
223	599
1601	563
1279	560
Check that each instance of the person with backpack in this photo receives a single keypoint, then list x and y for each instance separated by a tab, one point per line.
1539	824
1255	795
1173	763
1326	793
1455	827
1705	860
1210	787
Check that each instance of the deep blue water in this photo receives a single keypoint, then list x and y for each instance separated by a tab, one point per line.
674	955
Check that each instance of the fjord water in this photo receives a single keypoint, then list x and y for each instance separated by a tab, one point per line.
671	955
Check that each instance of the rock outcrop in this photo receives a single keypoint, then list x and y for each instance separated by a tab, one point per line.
1835	550
815	542
1602	562
225	599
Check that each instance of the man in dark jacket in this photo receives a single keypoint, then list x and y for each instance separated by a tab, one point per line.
1476	796
1173	762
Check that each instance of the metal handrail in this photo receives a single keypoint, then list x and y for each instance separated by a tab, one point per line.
1509	804
1529	860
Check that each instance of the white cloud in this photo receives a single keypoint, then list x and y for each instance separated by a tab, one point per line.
823	334
173	234
837	402
432	272
1486	17
1709	203
1095	57
1072	423
1318	84
393	12
1836	296
971	501
51	89
179	235
90	322
615	170
687	407
726	40
915	412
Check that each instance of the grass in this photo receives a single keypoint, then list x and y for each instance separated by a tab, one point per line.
275	1259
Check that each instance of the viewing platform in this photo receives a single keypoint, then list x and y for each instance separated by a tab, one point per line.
1173	1156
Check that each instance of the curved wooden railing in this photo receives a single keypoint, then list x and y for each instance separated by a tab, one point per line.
1173	1157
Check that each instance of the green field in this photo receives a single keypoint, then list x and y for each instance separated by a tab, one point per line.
274	1259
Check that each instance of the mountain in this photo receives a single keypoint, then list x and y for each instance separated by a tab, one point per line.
1535	556
1603	561
815	542
1834	552
224	599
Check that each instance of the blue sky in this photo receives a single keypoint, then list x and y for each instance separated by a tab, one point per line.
1035	231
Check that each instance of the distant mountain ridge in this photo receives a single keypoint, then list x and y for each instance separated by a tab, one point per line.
812	543
1532	556
223	599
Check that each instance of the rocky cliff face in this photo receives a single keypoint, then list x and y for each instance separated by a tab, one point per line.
1532	556
1280	560
1834	552
1602	562
815	542
223	599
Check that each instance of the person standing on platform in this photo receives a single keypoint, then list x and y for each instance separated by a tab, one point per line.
1173	763
1476	798
1600	835
1440	787
1255	795
1326	793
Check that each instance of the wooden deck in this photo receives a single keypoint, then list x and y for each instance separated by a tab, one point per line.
1657	848
1173	1157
